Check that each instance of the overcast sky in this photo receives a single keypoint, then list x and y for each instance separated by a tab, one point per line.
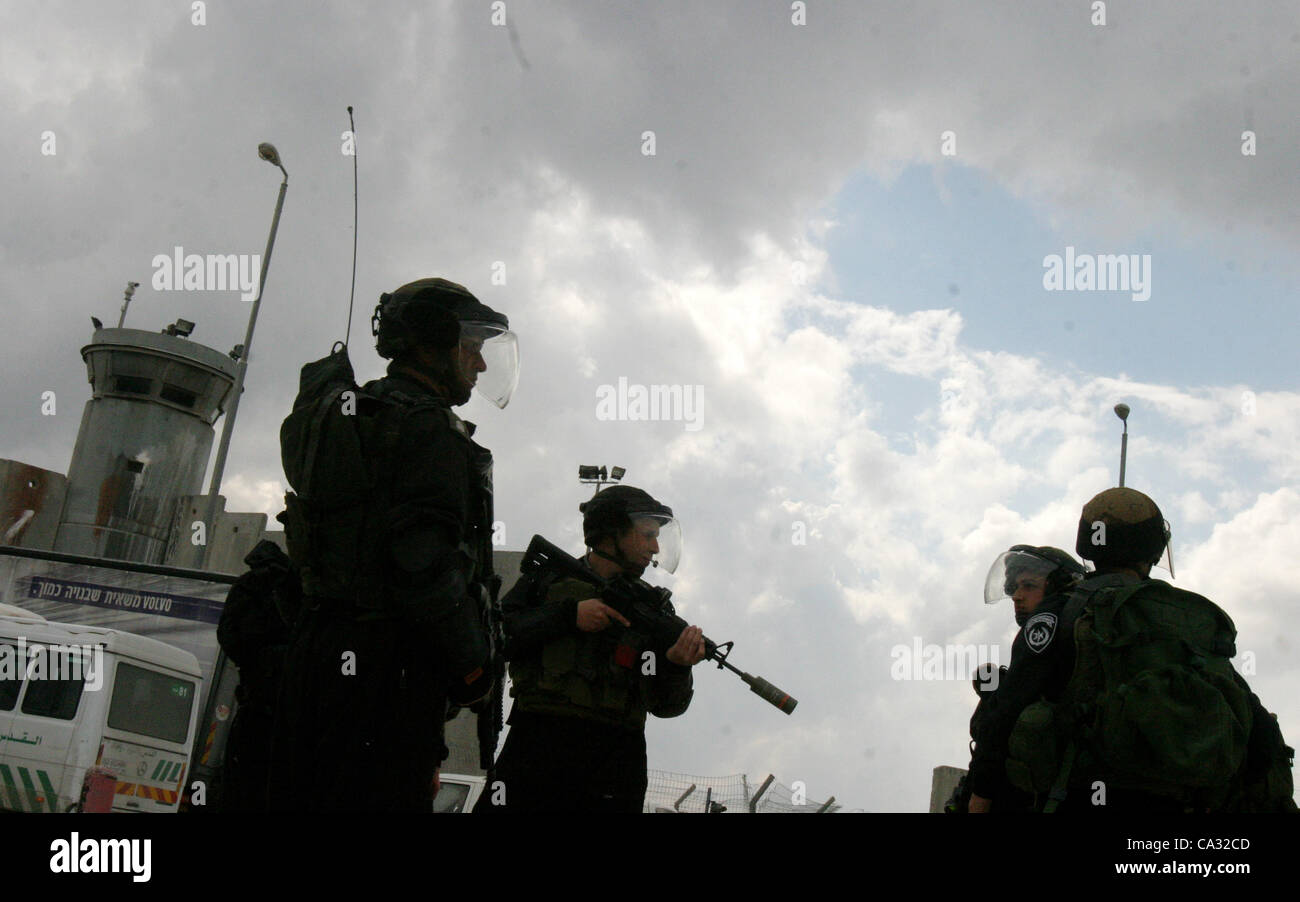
837	230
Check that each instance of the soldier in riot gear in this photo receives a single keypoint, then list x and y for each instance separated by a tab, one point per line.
254	633
1155	711
583	679
390	525
1130	701
1036	579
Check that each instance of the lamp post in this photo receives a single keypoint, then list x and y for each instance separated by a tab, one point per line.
599	475
271	155
1121	411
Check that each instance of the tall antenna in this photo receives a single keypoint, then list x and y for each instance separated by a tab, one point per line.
353	127
1121	411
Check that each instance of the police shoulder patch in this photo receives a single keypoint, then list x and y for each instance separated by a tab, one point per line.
1040	630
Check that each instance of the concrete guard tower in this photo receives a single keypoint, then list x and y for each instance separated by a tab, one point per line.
144	441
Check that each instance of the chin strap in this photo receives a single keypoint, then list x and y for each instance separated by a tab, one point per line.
624	563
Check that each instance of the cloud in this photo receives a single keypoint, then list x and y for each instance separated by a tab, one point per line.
910	452
255	495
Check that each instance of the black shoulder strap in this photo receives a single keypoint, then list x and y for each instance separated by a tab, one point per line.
323	409
533	587
1079	598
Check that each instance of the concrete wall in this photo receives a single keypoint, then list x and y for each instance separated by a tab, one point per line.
233	536
30	501
942	782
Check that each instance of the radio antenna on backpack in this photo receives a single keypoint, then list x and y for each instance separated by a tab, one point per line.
352	131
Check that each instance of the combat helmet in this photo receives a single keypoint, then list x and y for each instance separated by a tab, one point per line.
1057	567
1120	527
613	511
442	314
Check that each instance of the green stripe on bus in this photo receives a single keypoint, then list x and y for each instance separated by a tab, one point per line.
28	785
10	790
157	771
51	797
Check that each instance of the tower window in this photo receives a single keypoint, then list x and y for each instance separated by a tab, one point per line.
177	395
132	385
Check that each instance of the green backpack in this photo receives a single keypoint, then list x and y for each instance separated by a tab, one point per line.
1153	704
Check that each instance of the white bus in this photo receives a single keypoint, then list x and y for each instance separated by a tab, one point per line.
74	697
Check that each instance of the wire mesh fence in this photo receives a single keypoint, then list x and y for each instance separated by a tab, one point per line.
734	793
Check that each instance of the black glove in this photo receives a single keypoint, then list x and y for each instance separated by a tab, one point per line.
988	677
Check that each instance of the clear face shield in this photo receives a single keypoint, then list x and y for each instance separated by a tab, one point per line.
1166	562
657	536
488	360
1017	572
1022	577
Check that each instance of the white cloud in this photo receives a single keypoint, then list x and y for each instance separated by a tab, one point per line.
683	268
246	494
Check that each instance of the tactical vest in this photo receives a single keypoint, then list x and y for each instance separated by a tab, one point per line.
592	676
338	449
475	543
1151	706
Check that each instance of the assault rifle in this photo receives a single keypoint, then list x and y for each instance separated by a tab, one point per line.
648	608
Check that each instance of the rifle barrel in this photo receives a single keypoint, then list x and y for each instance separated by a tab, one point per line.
770	694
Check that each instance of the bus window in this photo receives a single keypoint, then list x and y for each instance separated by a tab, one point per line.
451	798
151	703
11	675
56	694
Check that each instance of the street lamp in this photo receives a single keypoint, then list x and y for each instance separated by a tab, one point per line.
599	475
266	152
1121	411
